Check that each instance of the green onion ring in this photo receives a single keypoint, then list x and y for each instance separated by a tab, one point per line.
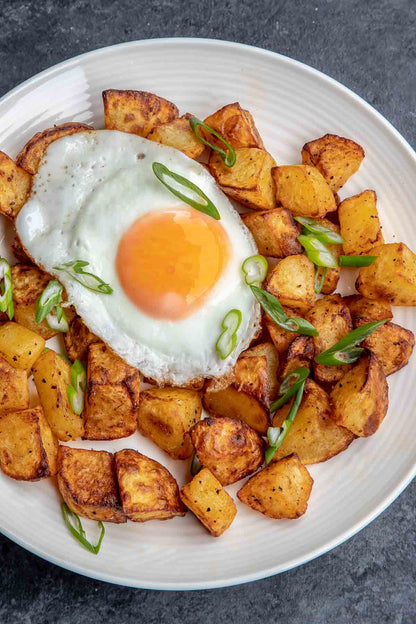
229	158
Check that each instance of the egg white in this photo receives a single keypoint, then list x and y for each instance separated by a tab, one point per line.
89	189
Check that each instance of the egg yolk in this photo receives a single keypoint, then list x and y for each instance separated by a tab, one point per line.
168	262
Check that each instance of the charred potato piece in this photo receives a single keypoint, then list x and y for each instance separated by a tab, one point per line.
292	281
303	190
268	350
371	309
14	389
313	436
209	502
235	125
360	225
179	134
392	276
28	448
20	346
360	400
281	490
165	416
337	158
391	343
229	448
274	231
112	397
31	154
15	185
19	252
331	317
87	483
52	377
249	181
137	112
78	339
332	275
299	355
147	489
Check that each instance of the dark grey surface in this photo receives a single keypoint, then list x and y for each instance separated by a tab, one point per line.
370	47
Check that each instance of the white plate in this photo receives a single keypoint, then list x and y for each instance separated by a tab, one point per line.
291	104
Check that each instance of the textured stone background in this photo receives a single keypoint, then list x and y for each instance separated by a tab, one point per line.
369	46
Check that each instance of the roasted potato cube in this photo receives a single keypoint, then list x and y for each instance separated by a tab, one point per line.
371	309
28	448
335	157
281	490
31	154
313	436
274	231
360	400
112	397
15	185
165	416
20	346
360	225
303	190
52	377
332	275
178	133
281	338
249	181
28	284
78	339
391	343
272	357
147	489
137	112
235	125
14	389
299	355
331	317
229	448
292	281
392	276
210	503
88	485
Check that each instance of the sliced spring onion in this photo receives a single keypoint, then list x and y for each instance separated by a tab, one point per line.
345	351
6	289
77	387
255	269
290	386
74	525
51	296
356	261
317	252
227	340
229	157
195	465
273	308
278	434
56	319
319	283
206	206
75	268
322	233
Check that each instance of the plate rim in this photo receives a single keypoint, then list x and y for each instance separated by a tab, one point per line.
407	477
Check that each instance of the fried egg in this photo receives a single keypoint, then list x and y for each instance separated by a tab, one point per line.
175	271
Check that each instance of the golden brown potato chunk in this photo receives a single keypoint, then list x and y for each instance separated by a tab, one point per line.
87	483
391	343
360	400
392	276
332	275
360	225
331	317
28	448
274	231
281	338
337	158
112	397
210	503
303	190
235	125
299	355
147	489
281	490
292	281
229	448
28	284
313	436
14	390
15	185
31	154
371	309
179	134
268	350
20	346
249	181
165	416
78	339
137	112
52	377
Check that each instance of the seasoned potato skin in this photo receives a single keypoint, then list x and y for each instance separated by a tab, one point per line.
14	389
299	355
179	134
371	309
78	339
209	502
281	338
15	185
360	224
269	351
280	490
292	281
19	251
303	190
87	483
229	448
391	343
235	125
274	231
147	489
20	346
